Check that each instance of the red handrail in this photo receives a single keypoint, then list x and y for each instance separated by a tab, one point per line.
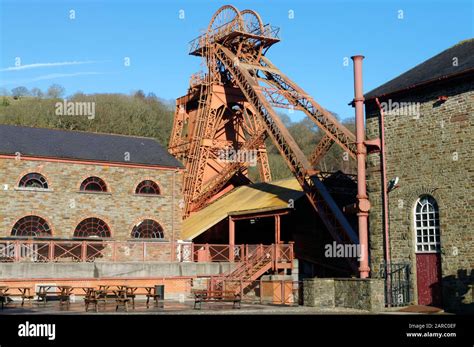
113	251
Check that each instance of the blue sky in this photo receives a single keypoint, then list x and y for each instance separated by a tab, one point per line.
87	53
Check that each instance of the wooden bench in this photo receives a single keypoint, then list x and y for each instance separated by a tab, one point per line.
94	298
216	296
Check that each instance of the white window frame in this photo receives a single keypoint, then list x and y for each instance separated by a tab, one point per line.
426	225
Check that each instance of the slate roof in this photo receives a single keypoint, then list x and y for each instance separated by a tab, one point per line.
77	145
436	68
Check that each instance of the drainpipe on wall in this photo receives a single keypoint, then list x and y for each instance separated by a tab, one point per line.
173	213
385	204
363	204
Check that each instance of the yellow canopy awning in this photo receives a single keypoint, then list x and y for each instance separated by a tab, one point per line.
253	198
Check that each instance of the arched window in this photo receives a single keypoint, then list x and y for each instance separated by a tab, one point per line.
31	226
33	180
147	187
93	184
92	227
147	229
427	225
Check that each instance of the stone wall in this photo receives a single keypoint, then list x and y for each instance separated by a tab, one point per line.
356	293
432	154
129	270
319	292
361	294
63	206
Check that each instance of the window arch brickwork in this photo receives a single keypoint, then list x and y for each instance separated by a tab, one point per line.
147	229
92	227
31	226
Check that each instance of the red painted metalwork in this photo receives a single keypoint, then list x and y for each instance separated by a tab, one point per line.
258	260
259	215
318	196
231	239
385	202
218	253
363	204
108	251
321	149
232	50
428	272
277	229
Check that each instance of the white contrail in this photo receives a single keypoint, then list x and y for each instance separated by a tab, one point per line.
39	65
51	76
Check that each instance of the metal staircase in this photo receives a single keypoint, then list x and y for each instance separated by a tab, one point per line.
257	262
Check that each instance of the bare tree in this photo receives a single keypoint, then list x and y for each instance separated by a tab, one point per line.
55	91
19	92
37	93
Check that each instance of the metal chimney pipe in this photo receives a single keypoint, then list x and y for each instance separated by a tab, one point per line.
383	163
363	204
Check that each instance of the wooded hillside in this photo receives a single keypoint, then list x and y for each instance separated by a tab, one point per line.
145	115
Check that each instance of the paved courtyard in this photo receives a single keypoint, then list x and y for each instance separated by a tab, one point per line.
169	307
177	308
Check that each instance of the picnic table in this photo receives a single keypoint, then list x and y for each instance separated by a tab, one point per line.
152	292
24	293
65	294
201	296
122	298
103	291
93	297
3	294
124	294
96	296
43	291
87	289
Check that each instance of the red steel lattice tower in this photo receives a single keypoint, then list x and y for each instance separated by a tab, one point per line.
232	106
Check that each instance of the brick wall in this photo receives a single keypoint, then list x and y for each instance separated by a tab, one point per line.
63	206
431	154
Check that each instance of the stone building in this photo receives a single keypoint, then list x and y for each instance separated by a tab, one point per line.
68	184
429	114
